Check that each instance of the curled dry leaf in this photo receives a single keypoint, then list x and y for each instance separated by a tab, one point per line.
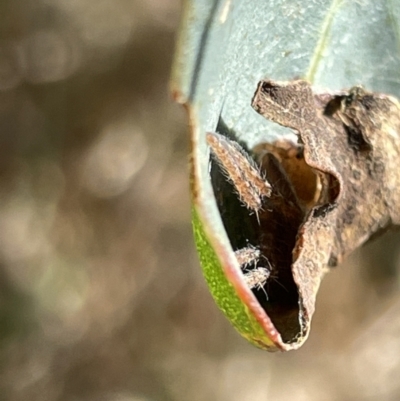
294	210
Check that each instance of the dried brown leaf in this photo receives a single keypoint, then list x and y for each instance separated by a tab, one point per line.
351	142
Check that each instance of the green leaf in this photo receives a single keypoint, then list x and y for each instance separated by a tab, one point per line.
224	49
232	302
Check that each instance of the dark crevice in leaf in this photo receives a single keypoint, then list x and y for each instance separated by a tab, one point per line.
274	230
298	189
280	222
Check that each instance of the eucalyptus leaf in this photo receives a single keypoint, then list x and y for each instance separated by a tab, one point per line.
224	49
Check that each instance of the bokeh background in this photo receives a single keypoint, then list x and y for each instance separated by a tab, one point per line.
101	293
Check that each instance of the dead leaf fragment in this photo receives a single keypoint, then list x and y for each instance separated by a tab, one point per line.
351	141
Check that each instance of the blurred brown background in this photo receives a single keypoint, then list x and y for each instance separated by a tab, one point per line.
101	294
